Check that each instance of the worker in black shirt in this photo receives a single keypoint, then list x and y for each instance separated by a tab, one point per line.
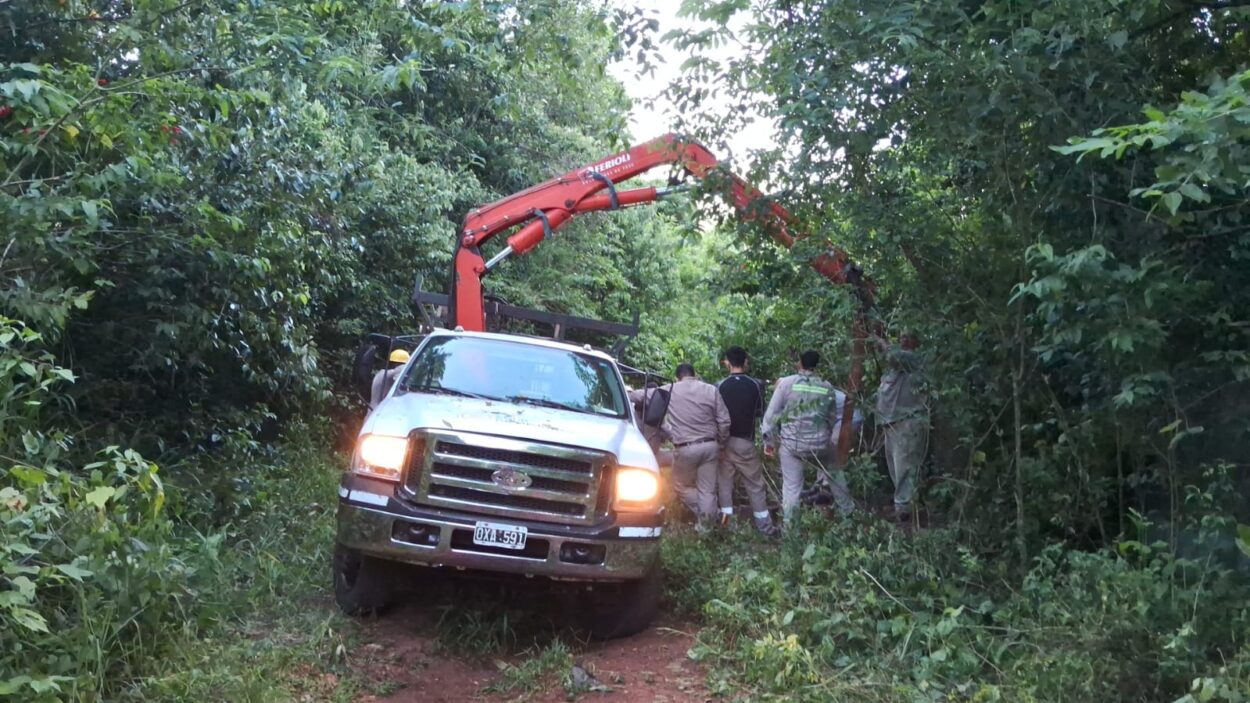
744	397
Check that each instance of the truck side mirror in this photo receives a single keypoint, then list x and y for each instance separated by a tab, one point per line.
362	370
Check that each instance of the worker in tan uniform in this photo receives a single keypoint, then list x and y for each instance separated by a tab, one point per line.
797	425
697	423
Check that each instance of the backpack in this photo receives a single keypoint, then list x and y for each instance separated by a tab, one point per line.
655	407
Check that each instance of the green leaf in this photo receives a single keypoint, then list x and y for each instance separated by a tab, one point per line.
100	496
11	686
1085	146
24	586
75	572
1173	201
1243	539
1193	192
29	619
28	476
47	684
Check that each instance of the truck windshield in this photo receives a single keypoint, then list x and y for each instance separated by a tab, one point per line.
516	373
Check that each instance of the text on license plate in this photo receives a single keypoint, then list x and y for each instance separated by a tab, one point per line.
493	534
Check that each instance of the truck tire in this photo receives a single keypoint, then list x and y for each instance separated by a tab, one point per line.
625	609
361	584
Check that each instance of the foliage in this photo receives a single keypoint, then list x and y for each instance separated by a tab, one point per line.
1204	139
204	205
858	611
233	187
98	583
928	138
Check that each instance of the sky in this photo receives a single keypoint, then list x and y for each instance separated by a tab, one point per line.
647	122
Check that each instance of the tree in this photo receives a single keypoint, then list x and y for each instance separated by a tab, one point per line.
922	136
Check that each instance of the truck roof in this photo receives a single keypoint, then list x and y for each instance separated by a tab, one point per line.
525	339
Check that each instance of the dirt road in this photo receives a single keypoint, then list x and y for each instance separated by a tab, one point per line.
482	642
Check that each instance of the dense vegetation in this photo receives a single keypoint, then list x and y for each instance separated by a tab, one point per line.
203	205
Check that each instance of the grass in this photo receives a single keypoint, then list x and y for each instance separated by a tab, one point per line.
483	619
536	671
275	634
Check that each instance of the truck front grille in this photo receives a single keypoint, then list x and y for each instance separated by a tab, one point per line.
468	472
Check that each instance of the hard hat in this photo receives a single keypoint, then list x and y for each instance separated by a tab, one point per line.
399	356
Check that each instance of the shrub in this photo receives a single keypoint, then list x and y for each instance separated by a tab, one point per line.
854	610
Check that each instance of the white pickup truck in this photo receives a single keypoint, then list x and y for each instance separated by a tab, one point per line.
512	454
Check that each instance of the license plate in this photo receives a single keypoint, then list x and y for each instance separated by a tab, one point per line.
493	534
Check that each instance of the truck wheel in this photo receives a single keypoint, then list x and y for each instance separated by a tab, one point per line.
360	582
624	609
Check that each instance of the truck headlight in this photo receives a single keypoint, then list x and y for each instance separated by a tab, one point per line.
637	489
381	456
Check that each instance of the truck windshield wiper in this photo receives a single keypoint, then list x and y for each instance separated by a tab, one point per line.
439	390
546	403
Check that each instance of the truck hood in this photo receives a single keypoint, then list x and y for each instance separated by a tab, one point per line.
399	414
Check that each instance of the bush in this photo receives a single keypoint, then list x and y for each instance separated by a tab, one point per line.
855	610
105	571
95	586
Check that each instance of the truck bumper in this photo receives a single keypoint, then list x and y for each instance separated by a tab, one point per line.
374	522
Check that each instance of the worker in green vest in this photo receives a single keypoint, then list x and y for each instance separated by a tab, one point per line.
797	426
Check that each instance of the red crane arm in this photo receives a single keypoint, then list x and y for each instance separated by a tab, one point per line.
544	208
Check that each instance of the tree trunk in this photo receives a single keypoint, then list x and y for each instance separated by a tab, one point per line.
1017	382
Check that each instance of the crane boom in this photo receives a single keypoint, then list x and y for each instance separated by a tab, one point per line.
540	210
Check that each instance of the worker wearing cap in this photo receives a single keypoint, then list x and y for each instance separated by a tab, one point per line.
697	423
744	398
384	379
903	415
797	425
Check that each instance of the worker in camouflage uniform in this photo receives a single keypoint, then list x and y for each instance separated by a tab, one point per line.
798	424
903	416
